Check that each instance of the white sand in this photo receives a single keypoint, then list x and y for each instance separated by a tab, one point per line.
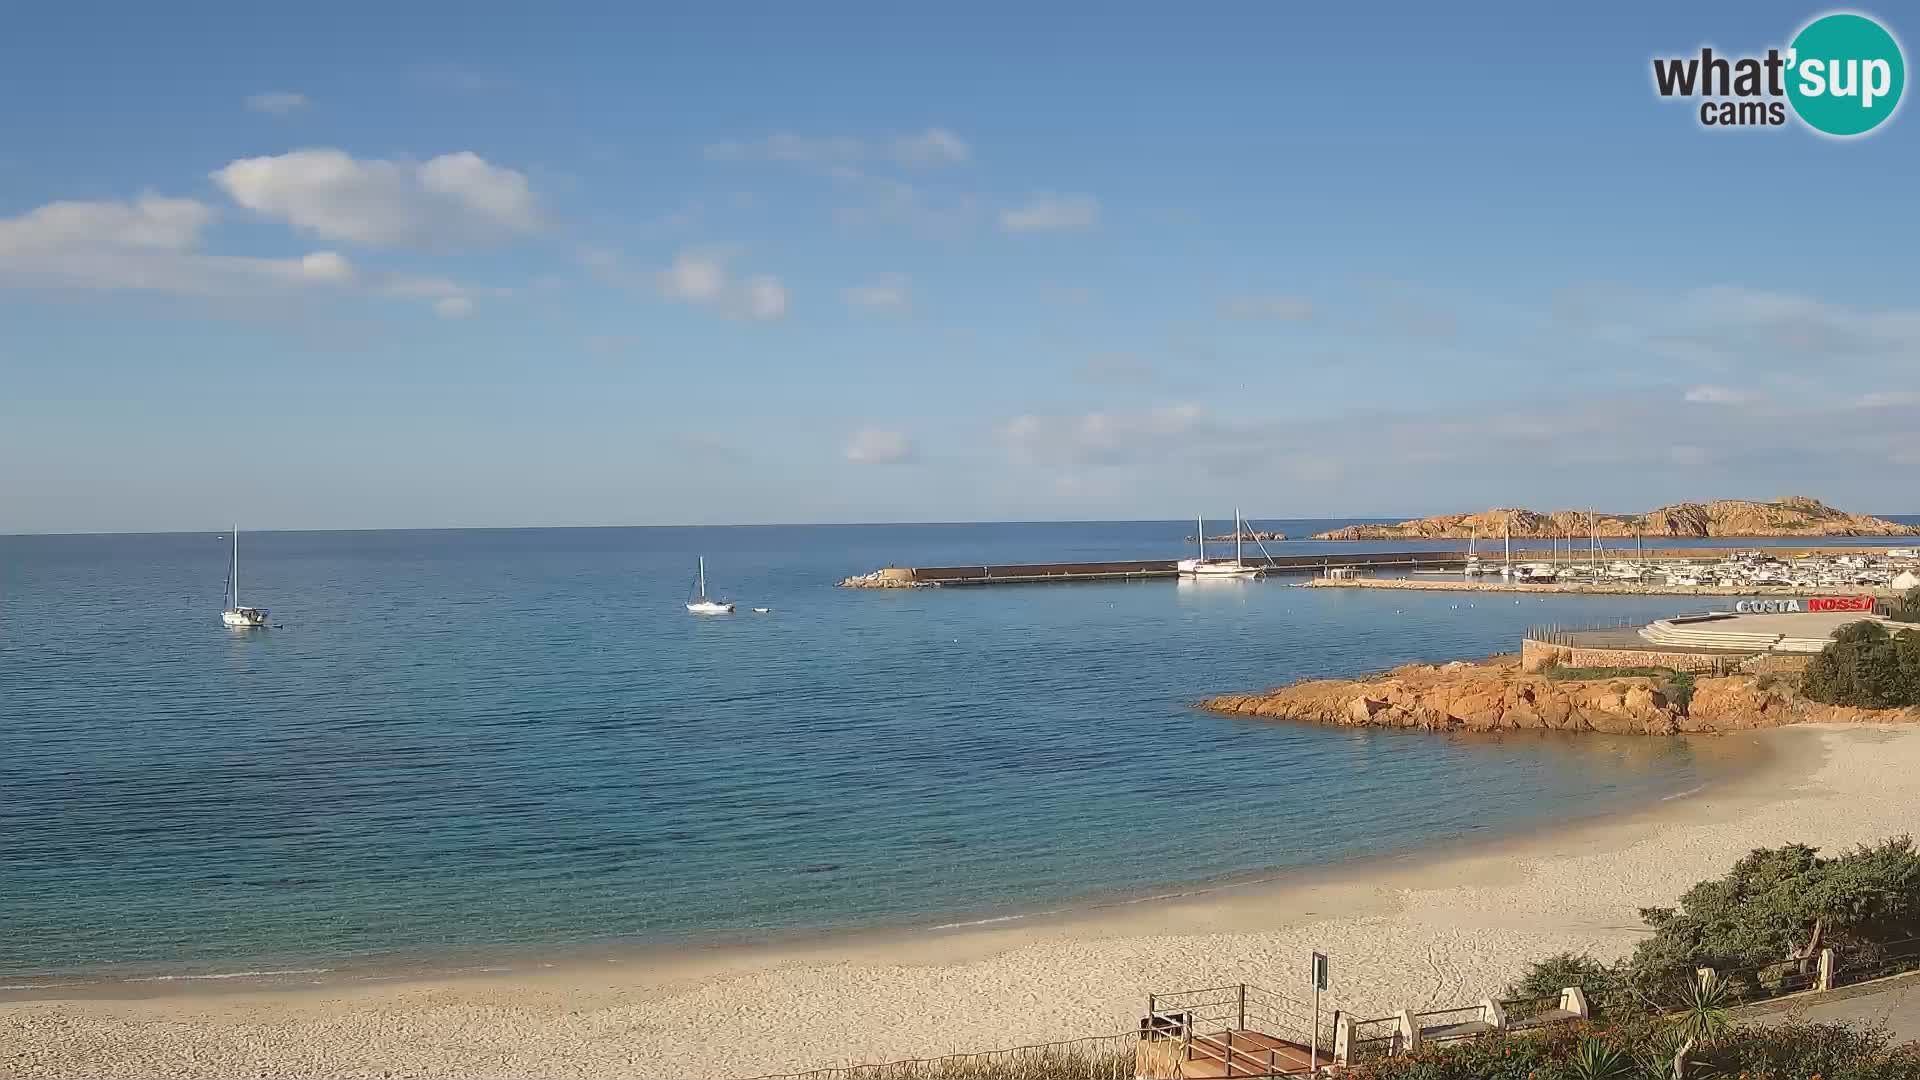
1404	933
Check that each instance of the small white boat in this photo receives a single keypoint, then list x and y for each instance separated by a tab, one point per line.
761	610
701	603
234	614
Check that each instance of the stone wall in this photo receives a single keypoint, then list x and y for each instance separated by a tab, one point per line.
1534	655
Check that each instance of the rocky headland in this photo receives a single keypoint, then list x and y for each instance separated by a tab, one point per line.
1792	516
1495	695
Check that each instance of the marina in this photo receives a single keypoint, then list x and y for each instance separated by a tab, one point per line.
1678	571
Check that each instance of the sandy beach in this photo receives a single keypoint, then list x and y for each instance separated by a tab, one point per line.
1419	930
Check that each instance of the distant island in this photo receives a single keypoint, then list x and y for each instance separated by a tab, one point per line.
1792	516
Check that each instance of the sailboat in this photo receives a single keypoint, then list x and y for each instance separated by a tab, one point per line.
702	604
234	614
1204	567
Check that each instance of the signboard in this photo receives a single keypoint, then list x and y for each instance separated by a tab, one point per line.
1786	605
1319	971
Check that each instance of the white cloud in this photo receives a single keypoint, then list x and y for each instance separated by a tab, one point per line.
1100	437
932	147
1049	213
151	244
277	103
698	277
1709	394
763	298
326	266
879	446
701	277
453	200
1293	308
149	223
889	293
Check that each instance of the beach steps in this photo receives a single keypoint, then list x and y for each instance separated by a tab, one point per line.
1248	1053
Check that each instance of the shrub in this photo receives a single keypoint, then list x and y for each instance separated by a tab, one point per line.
1605	986
1801	1050
1867	667
1679	689
1776	904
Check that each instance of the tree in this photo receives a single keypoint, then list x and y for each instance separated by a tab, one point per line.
1777	905
1867	667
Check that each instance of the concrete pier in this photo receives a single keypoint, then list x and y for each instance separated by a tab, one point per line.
897	577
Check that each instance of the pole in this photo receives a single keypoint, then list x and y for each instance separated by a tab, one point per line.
1242	1024
1313	1040
236	566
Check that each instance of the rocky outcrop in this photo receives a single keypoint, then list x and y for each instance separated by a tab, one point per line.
1497	696
1791	516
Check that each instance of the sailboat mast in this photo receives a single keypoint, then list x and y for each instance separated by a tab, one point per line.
1507	529
233	571
1200	535
1237	530
703	577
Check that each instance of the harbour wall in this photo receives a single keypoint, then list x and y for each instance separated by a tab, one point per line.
1535	655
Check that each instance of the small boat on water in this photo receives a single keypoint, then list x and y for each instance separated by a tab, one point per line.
235	614
702	604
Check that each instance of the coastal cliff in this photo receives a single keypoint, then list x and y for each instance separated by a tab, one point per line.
1791	516
1496	696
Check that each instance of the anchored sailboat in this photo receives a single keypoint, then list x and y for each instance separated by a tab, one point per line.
234	614
701	603
1204	567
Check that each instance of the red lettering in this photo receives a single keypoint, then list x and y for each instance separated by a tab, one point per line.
1840	603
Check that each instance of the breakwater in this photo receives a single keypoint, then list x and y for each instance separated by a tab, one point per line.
902	577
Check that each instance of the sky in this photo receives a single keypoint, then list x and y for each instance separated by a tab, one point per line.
426	265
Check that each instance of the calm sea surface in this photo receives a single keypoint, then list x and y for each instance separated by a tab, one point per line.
469	739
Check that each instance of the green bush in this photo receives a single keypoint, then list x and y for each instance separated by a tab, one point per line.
1644	1048
1679	689
1770	907
1867	667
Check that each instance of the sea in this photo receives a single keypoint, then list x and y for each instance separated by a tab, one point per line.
474	741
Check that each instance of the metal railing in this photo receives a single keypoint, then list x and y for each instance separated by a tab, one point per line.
1865	963
1370	1039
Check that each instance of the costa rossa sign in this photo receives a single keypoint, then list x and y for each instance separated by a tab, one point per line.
1785	605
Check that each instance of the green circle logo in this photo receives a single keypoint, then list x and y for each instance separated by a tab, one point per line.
1845	74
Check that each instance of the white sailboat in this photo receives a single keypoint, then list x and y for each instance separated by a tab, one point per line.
1204	567
234	614
702	604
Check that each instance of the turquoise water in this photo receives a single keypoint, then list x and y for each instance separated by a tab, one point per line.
471	739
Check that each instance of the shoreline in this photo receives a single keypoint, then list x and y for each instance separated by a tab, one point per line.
1719	762
1424	928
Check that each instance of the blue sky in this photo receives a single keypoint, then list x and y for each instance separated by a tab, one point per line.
426	265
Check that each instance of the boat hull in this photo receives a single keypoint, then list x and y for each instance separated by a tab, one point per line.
710	608
244	617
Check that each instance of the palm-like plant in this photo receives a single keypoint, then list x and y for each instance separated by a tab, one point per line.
1598	1059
